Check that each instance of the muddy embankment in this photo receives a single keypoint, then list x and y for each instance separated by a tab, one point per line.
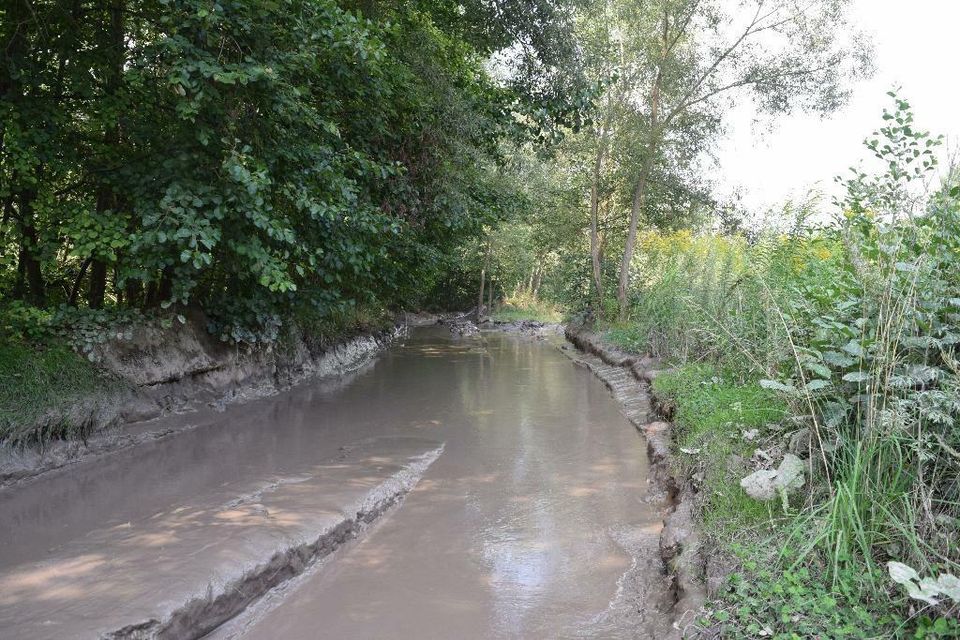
629	379
166	372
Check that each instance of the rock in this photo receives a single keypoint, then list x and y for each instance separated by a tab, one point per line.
766	484
759	484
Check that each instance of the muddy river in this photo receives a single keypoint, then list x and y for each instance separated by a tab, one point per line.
537	520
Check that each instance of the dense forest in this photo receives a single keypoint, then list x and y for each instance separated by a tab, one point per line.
269	162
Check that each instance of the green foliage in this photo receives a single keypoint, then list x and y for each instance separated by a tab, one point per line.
523	306
853	328
23	323
259	159
789	604
712	412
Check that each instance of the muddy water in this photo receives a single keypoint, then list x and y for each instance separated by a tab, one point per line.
535	522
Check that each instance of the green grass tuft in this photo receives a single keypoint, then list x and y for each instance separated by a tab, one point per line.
41	385
712	413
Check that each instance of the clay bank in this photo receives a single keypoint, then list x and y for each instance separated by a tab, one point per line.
458	486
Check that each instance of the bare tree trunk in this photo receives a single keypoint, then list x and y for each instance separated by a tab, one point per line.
483	281
640	188
595	209
639	199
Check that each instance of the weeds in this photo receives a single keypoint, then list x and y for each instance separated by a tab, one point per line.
522	305
853	330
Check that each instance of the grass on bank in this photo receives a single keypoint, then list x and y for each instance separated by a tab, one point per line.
719	423
523	306
40	386
779	589
49	390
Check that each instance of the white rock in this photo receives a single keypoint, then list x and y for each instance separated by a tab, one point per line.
767	483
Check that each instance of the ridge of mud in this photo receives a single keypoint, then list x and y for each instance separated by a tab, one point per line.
215	560
204	375
628	377
202	615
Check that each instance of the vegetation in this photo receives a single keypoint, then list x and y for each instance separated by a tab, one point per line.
853	327
321	163
257	159
38	386
318	163
526	306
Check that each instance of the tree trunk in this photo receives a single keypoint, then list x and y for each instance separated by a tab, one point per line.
165	290
115	46
483	281
29	284
640	188
98	284
595	210
29	242
639	198
75	290
131	292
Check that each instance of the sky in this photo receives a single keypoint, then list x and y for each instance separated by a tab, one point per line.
916	50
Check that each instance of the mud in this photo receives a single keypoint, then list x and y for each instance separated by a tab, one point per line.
538	520
628	376
185	570
169	372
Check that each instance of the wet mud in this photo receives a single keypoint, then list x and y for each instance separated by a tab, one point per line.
539	519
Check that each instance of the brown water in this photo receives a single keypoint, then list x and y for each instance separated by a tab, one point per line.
535	521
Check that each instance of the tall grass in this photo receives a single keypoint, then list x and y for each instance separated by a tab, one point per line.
523	304
857	327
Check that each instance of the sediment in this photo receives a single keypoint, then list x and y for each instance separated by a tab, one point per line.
181	573
629	378
182	369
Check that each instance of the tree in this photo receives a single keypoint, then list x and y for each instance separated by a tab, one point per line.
682	62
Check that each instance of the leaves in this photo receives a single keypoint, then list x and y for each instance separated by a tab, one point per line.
925	589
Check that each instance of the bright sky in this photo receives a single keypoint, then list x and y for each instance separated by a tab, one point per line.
916	49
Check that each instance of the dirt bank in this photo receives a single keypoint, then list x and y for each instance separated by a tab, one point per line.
628	377
167	371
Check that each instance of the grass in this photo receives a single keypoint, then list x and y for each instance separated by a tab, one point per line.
322	331
519	307
713	414
767	600
41	387
783	587
627	337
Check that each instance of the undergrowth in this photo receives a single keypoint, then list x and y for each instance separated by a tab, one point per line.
837	344
719	423
523	306
40	386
